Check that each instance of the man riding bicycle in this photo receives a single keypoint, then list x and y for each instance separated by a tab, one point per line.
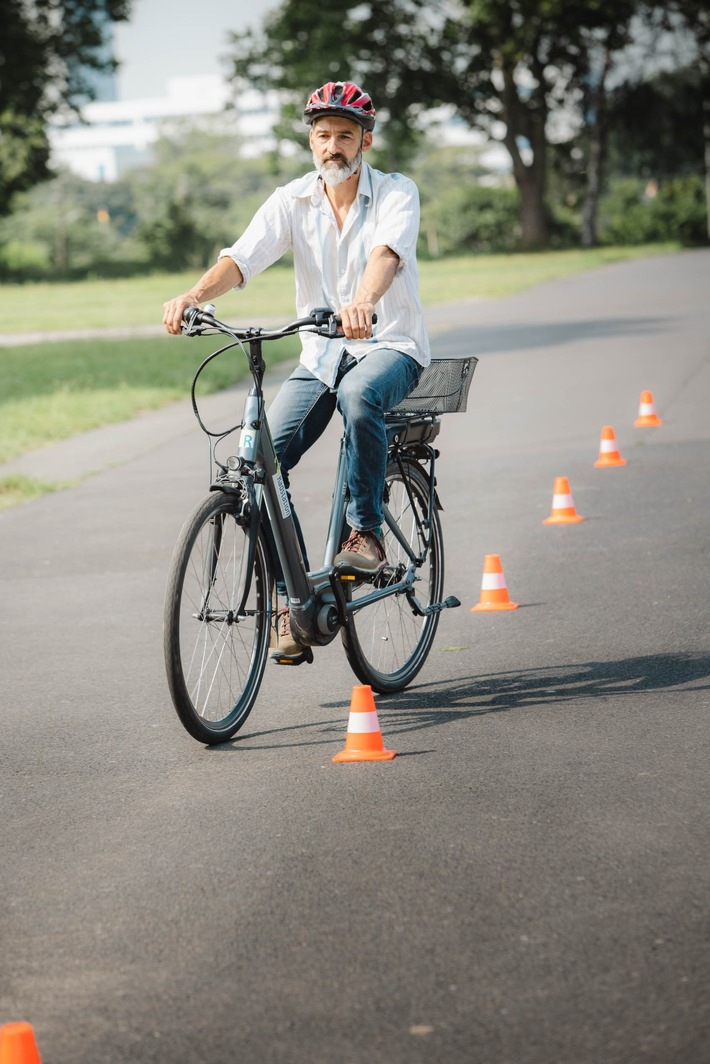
353	233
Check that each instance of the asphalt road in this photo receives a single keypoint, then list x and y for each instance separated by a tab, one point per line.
527	881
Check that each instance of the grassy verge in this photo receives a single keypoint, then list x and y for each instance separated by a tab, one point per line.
16	490
491	276
52	391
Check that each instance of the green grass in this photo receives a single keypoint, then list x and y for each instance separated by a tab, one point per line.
51	391
16	490
133	301
490	276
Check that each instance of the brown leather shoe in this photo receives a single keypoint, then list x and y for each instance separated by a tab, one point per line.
362	552
282	641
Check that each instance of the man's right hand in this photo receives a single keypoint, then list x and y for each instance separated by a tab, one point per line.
225	274
174	309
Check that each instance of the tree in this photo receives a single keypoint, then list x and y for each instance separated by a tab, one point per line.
193	200
651	118
383	45
48	50
695	17
508	68
655	126
531	73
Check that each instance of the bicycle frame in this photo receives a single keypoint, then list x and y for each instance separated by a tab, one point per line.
219	603
318	600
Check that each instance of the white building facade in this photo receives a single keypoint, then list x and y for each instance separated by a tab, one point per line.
118	135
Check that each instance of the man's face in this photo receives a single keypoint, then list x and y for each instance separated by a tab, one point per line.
337	145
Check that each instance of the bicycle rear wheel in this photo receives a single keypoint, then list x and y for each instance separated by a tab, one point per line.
388	642
215	658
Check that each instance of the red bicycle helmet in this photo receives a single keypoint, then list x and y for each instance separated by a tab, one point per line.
341	99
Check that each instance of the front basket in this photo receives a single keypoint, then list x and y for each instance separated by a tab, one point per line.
442	388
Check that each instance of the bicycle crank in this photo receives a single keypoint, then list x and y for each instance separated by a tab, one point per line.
436	607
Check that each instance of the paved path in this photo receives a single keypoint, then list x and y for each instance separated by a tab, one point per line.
526	883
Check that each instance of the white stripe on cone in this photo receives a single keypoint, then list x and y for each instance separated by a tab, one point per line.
607	446
562	502
363	722
647	408
493	581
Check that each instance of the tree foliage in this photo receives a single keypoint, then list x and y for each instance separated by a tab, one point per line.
196	197
535	74
48	49
529	73
509	69
383	45
655	126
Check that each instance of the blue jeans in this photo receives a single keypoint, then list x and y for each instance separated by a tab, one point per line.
363	392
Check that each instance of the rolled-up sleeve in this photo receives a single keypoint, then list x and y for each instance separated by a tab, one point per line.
265	239
398	220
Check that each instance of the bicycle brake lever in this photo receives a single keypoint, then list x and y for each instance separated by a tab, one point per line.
194	318
190	324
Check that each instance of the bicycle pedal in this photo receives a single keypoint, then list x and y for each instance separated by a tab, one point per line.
299	659
364	576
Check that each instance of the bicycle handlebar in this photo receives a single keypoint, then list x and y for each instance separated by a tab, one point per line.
322	320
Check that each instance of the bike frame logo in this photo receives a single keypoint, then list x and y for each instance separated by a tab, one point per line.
281	492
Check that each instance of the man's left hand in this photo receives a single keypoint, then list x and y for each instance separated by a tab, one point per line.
357	320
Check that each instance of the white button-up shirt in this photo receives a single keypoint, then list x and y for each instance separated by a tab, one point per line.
329	263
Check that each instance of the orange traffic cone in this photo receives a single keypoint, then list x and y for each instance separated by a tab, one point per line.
17	1044
363	741
608	449
494	591
563	511
647	412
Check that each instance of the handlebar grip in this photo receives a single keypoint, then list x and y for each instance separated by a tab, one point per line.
337	322
336	317
324	316
194	317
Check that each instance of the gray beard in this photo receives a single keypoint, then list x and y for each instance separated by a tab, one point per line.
334	172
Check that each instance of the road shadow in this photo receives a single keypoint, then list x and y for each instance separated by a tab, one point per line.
433	704
499	339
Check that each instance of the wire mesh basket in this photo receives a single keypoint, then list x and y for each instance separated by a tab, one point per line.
442	388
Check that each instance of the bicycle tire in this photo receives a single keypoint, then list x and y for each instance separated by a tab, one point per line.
387	643
214	660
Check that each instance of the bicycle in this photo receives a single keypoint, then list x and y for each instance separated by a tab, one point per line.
220	597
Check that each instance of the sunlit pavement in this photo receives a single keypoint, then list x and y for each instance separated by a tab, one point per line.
526	881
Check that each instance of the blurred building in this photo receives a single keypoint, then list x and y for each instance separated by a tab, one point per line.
117	135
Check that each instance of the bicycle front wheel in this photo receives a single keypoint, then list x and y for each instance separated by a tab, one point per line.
215	652
388	642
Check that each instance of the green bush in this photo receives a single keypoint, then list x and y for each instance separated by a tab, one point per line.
24	259
471	218
635	213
